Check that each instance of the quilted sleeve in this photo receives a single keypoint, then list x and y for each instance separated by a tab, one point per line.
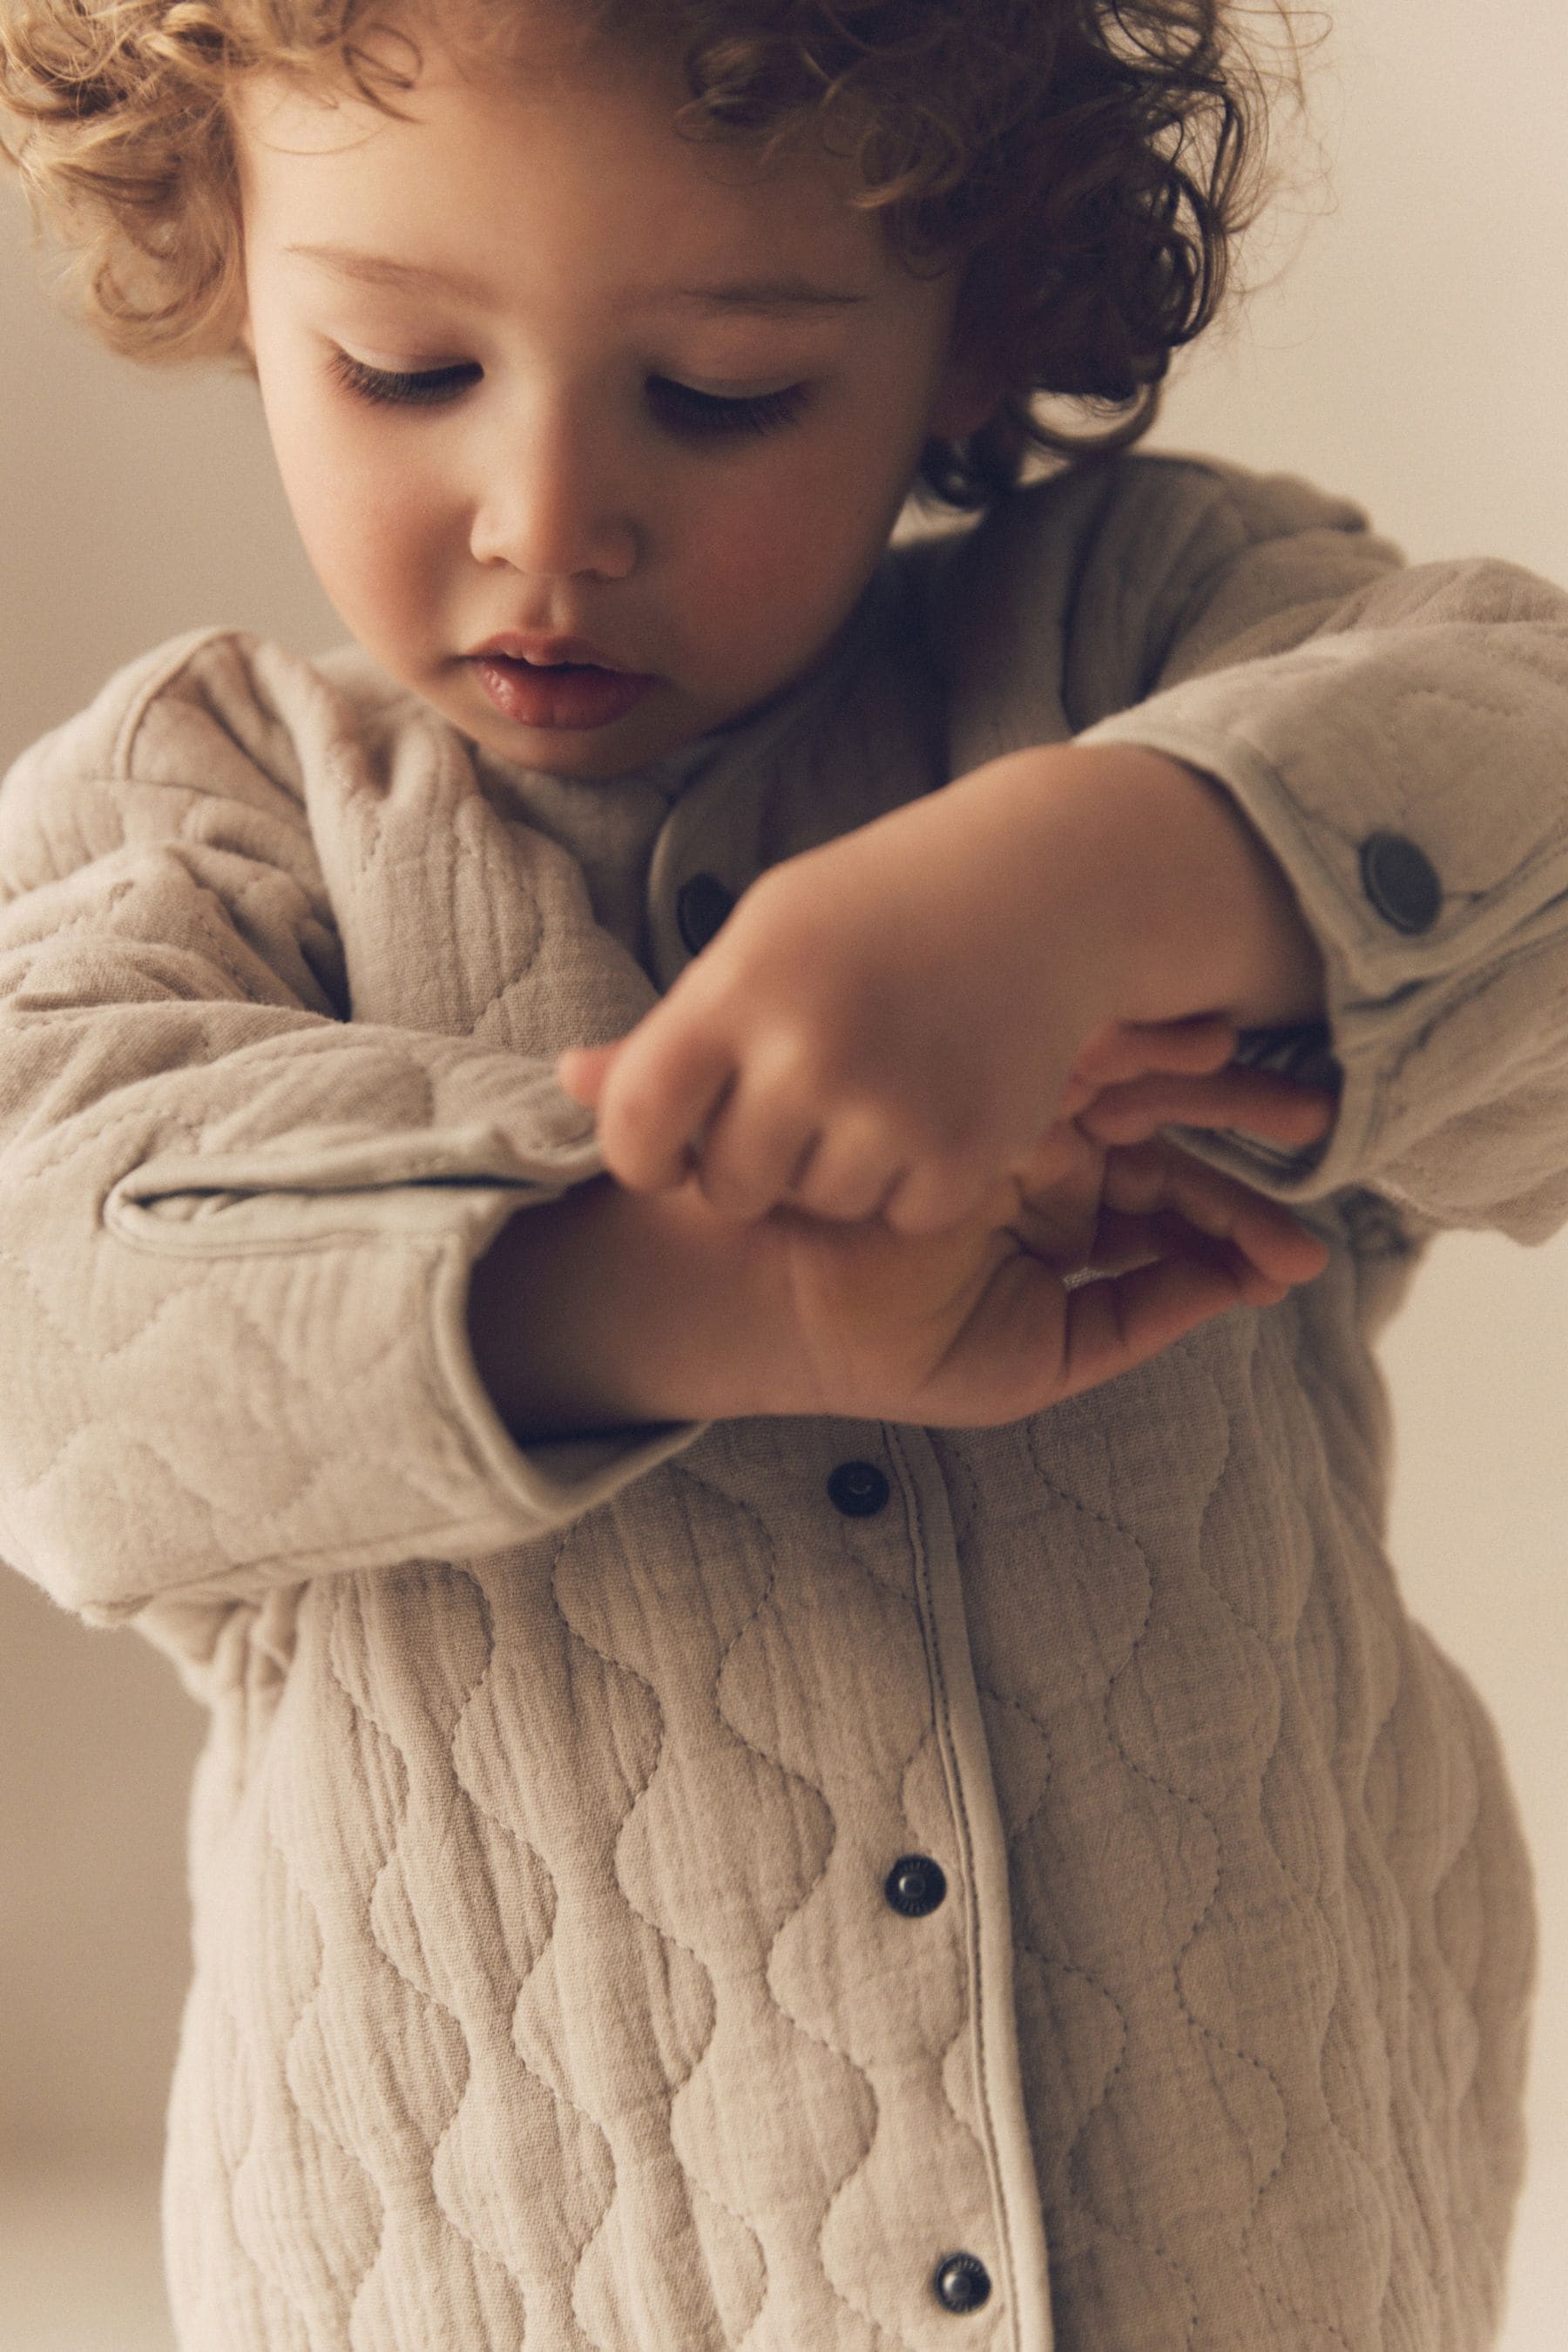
1399	738
236	1227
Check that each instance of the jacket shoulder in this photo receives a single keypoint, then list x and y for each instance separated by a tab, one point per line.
1063	602
1152	506
211	708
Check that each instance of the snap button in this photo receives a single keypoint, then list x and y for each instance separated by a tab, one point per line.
1401	881
962	2283
701	905
915	1885
858	1489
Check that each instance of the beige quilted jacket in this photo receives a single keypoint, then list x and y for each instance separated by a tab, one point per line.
798	1886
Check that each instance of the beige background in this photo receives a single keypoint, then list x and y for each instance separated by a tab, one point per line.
1413	353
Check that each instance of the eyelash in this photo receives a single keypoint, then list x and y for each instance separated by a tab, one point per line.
709	415
690	415
428	388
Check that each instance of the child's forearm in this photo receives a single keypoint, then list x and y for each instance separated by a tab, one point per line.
609	1309
1204	919
890	1021
612	1308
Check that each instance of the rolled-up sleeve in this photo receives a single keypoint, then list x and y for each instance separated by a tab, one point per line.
237	1226
1398	736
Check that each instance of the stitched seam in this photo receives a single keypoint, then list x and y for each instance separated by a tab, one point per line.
1384	1735
667	1936
1494	2279
787	1771
1310	1899
426	1994
509	1829
1378	1734
1249	1634
1073	2157
481	855
721	2205
1440	2245
83	1431
324	2130
124	742
264	2278
71	1337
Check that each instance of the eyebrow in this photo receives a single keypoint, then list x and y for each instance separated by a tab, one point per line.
766	296
759	297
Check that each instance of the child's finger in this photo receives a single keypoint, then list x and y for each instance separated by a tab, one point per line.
1065	1153
1120	1051
853	1170
937	1193
667	1085
1190	1252
1159	1194
1112	1325
1256	1102
1035	1342
583	1069
1157	1274
1123	1243
760	1141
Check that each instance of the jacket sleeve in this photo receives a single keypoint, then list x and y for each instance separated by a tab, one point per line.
1399	738
236	1227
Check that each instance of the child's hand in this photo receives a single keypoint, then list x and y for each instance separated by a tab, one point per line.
890	1023
610	1309
978	1326
878	1029
1130	1081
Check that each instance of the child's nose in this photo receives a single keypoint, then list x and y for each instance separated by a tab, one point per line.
549	506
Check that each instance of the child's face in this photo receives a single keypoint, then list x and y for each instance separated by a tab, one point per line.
673	405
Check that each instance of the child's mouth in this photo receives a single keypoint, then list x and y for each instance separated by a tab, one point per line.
566	694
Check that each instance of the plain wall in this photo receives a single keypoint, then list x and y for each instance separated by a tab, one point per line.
1411	354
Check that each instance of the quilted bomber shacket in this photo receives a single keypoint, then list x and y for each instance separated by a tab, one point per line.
549	1994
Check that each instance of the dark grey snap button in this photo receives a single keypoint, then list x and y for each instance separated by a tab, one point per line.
962	2283
1401	881
858	1489
701	905
915	1885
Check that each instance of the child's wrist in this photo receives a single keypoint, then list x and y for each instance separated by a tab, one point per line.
616	1309
1192	912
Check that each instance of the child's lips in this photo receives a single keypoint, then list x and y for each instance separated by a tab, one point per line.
556	682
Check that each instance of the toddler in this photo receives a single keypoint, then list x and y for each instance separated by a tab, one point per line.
650	1219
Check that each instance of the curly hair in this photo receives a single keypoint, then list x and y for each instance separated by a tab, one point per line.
1091	161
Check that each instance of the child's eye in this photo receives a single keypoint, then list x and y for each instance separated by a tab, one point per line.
423	387
681	409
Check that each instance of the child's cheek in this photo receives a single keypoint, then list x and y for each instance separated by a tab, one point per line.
374	533
778	570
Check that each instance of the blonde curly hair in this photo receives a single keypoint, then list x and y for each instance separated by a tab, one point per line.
1093	160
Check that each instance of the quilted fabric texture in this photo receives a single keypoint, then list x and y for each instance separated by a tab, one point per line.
546	1992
